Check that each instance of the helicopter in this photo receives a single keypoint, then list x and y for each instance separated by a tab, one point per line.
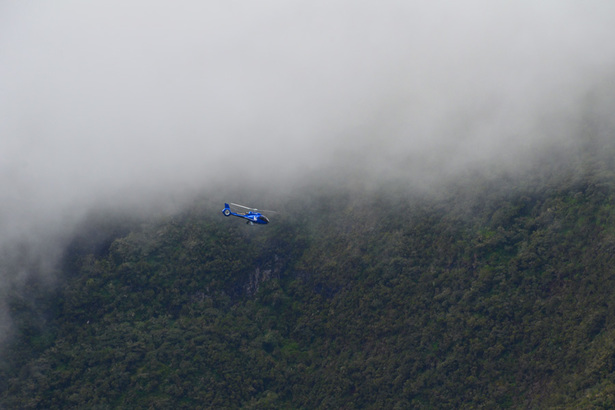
253	216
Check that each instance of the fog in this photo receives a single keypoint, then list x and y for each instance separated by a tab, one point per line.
121	104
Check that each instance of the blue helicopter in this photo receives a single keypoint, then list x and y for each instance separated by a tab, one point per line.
253	216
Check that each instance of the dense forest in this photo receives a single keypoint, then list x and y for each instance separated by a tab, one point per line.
495	290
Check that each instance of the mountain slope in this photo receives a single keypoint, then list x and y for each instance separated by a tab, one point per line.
494	292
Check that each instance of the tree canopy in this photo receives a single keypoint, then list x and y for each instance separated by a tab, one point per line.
496	291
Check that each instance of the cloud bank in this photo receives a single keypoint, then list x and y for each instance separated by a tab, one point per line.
115	104
109	101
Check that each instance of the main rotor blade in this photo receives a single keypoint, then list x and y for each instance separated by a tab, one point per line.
252	209
242	206
267	210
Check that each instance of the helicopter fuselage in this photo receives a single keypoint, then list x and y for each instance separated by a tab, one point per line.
250	216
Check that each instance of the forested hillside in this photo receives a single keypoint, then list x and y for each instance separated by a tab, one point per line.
495	291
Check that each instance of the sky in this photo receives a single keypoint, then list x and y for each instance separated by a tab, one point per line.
107	100
114	103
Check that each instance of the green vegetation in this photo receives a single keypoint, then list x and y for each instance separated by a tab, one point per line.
498	292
